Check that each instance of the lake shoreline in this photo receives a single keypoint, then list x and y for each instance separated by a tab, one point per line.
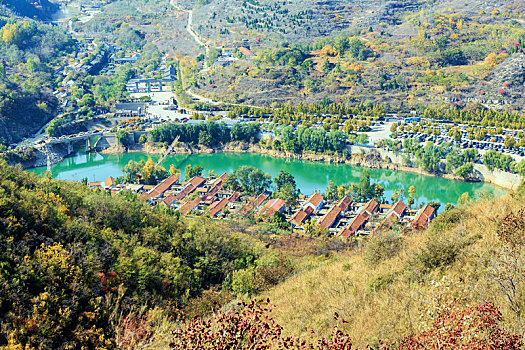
371	159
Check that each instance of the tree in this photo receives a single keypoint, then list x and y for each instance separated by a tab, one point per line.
464	199
132	170
364	190
205	138
148	172
331	192
122	137
288	193
452	56
88	100
160	173
465	170
435	205
510	142
192	171
313	229
173	170
284	178
411	194
250	180
327	67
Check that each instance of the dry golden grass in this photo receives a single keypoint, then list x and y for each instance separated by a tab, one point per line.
408	304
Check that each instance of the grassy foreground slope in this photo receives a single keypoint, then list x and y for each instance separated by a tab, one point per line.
395	286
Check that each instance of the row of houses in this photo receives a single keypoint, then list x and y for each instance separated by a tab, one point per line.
343	217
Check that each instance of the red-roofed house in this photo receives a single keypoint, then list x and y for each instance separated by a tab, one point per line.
423	217
234	197
162	187
214	190
328	219
359	222
247	52
255	204
107	183
370	207
395	213
186	208
315	201
398	209
272	206
197	181
301	216
356	224
344	204
217	206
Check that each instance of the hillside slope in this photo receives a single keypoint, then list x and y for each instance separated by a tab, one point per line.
395	286
74	262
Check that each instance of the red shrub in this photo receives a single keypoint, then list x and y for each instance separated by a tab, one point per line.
475	328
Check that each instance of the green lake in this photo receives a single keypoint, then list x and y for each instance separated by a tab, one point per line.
310	176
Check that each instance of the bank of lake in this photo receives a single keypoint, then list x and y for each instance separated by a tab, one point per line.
310	176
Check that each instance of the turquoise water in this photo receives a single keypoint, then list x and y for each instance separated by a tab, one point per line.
310	176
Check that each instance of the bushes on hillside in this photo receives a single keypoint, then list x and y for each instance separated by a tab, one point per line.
382	247
72	259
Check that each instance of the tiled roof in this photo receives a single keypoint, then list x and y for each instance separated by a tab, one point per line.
247	208
214	190
110	181
302	215
246	52
423	216
370	207
328	219
315	199
260	199
186	208
398	209
170	199
234	197
344	203
162	187
197	181
354	225
217	206
271	207
94	184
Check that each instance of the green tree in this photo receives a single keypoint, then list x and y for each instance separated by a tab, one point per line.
122	137
192	171
284	178
465	170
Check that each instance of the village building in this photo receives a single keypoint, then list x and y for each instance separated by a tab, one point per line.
423	217
328	219
301	216
255	204
272	206
162	187
315	201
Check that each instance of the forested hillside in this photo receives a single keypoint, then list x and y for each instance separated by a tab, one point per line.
74	262
30	52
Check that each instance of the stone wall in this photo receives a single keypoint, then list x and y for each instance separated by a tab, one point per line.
496	177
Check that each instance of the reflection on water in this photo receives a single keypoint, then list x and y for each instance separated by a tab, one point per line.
310	176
